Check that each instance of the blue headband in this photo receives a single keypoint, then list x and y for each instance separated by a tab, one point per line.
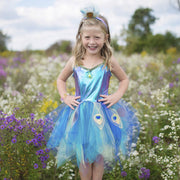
98	18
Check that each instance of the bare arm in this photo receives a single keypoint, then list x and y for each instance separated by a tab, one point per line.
63	76
61	84
121	76
124	81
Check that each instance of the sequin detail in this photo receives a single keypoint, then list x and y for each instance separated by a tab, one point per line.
89	74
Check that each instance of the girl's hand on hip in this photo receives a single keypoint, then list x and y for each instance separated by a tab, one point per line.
109	99
71	101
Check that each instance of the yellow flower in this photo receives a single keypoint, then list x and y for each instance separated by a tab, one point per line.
46	104
55	105
71	90
171	50
55	84
152	66
143	53
6	53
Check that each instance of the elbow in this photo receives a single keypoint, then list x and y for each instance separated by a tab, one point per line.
127	82
58	81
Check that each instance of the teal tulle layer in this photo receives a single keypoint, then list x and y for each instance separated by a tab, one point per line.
90	130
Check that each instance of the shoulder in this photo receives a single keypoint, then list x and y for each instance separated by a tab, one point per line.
117	70
114	64
68	69
70	63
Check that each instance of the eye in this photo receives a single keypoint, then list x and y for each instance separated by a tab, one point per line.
97	37
86	37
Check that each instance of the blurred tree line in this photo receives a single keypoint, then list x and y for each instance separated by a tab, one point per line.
137	37
3	41
63	46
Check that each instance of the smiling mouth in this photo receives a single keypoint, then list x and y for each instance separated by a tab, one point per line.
92	47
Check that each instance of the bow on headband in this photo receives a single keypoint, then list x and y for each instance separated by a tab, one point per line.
92	12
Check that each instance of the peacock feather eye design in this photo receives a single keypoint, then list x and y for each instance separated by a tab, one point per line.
98	118
116	119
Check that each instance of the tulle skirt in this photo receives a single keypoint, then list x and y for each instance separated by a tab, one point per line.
90	130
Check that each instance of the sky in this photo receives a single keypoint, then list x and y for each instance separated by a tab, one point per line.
37	24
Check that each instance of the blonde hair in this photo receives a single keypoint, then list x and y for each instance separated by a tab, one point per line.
79	50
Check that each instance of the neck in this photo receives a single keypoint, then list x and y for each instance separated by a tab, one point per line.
92	56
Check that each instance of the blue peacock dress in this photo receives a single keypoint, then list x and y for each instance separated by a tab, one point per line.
91	129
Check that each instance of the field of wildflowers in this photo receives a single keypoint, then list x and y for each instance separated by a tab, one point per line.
28	92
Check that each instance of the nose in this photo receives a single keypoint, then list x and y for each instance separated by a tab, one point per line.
91	41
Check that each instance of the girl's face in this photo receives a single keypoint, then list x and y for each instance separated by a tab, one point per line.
93	39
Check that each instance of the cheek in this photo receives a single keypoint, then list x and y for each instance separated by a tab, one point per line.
102	41
84	41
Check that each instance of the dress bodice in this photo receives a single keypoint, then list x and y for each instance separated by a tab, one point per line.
91	83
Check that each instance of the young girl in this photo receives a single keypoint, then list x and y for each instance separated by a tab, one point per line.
92	127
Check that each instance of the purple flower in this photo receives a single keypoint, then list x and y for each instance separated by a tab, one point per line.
32	116
47	150
20	127
39	138
10	127
6	122
28	141
47	156
35	133
169	101
14	140
43	165
35	142
40	96
178	61
144	173
35	166
33	130
39	135
156	139
10	119
171	85
39	144
139	93
41	122
2	73
152	106
123	173
2	126
42	158
41	151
